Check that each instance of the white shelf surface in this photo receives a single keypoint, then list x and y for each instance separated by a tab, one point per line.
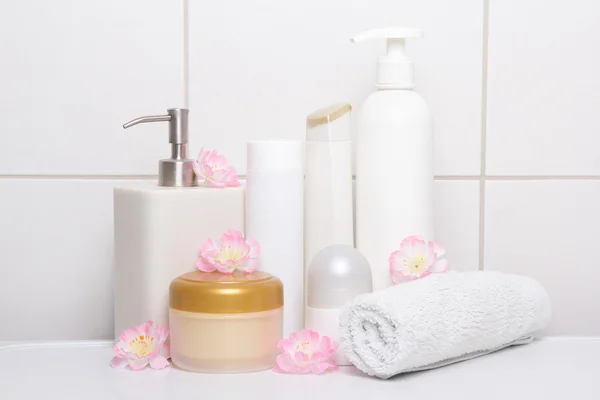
551	368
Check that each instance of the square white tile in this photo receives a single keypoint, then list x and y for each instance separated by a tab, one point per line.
456	218
546	230
258	68
74	71
56	259
543	88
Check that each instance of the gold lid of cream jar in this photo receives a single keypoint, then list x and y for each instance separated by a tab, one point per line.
217	293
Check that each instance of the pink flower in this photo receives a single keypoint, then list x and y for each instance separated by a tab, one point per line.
214	169
416	259
233	252
142	345
306	351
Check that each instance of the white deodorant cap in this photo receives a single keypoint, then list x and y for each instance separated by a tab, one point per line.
336	275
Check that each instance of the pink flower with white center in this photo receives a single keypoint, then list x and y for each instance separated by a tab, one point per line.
416	259
141	346
231	253
306	351
214	170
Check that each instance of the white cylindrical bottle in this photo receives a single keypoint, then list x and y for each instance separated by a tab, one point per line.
328	215
394	159
274	218
336	275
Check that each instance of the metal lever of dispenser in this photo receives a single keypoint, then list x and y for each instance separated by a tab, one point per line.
178	170
152	118
178	124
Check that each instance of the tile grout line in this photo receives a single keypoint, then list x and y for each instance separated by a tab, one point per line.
483	159
81	177
186	66
446	178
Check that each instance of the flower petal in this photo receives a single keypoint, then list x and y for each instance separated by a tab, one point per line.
438	249
423	274
304	335
313	337
119	350
301	358
409	243
137	364
118	362
325	345
286	363
399	277
396	261
285	346
226	268
214	183
204	265
127	336
250	266
158	362
332	365
440	266
254	248
334	344
319	368
165	350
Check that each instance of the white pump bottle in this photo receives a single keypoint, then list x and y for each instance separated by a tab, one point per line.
394	158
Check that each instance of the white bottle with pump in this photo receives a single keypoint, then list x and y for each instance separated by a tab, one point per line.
394	158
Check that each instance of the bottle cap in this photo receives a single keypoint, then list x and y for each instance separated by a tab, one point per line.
336	275
329	124
217	293
275	155
394	70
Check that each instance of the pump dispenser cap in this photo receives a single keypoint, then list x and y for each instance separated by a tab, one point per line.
395	69
177	171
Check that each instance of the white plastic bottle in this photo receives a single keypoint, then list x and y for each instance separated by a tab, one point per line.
394	158
274	218
328	215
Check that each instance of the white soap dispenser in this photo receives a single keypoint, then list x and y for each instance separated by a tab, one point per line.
394	158
158	229
336	275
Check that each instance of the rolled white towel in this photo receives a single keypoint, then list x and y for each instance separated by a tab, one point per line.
440	320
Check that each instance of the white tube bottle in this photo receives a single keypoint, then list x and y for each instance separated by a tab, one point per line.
274	218
394	158
328	215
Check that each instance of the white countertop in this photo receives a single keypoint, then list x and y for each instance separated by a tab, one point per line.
552	368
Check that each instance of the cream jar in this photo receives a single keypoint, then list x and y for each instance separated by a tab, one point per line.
225	323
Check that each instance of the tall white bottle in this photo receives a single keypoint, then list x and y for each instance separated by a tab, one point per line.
274	218
328	218
394	158
158	228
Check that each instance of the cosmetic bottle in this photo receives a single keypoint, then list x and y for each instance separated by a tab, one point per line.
336	275
159	227
328	212
394	158
225	323
274	218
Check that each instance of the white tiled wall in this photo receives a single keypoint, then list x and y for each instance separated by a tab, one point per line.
517	78
257	68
